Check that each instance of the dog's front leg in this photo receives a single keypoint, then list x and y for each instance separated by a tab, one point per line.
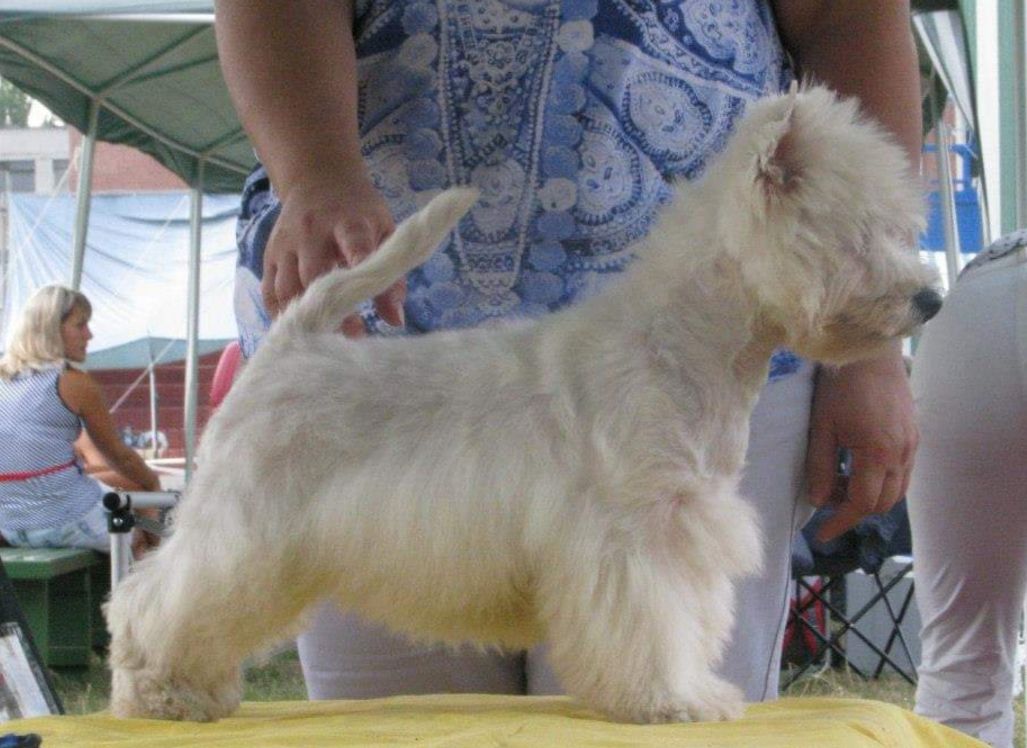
637	636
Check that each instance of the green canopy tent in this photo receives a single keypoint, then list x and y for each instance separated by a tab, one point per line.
142	73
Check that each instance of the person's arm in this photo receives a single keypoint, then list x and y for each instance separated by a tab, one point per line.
862	49
292	73
82	394
96	466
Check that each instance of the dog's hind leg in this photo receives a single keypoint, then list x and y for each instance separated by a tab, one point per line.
185	619
633	641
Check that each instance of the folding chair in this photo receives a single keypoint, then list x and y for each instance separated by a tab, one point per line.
862	550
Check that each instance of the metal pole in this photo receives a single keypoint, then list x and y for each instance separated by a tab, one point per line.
153	406
948	203
84	194
1020	107
5	257
193	325
1019	104
121	556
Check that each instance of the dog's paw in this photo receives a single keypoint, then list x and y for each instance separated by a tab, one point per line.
715	701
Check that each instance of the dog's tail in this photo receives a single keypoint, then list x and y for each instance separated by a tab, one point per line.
334	295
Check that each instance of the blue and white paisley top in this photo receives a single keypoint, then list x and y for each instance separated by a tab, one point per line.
572	116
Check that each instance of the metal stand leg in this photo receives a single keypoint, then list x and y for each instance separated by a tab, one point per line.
121	554
121	521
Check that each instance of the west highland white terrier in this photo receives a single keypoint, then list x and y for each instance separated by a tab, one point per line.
573	479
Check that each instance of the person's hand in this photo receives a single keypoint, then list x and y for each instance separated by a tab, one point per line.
143	541
867	408
323	225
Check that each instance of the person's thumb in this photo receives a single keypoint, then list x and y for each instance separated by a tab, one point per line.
821	466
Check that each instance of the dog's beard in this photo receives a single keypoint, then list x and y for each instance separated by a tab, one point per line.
849	339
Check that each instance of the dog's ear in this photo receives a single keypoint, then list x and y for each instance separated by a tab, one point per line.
777	162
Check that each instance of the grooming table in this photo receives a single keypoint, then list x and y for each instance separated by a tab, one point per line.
477	720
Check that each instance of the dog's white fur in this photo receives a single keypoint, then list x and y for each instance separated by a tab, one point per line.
573	479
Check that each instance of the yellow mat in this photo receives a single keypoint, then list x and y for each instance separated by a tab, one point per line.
474	720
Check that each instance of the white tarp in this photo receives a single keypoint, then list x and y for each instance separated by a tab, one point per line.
135	272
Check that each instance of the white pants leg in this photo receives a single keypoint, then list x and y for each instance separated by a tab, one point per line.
968	499
774	477
343	657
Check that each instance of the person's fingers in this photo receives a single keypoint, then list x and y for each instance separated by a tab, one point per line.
287	281
910	446
140	544
353	326
906	475
891	491
864	493
356	240
310	266
841	521
821	466
389	305
866	482
908	461
267	289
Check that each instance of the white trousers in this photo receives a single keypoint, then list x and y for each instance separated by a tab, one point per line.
968	499
344	657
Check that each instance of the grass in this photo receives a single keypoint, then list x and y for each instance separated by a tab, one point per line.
844	684
86	690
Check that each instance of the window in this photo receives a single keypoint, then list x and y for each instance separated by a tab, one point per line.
60	168
18	176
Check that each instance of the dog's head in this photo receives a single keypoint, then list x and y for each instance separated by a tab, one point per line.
823	214
149	681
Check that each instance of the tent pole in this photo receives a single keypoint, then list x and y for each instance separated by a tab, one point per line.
947	198
1020	105
153	404
84	193
948	205
193	330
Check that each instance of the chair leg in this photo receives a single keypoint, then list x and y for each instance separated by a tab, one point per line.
829	644
805	597
849	625
896	632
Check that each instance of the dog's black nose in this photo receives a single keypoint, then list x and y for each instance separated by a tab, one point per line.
927	302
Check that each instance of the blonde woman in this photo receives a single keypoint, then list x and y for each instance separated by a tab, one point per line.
46	497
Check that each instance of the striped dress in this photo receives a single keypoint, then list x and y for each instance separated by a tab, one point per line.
37	432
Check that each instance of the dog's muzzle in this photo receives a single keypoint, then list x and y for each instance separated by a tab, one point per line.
927	302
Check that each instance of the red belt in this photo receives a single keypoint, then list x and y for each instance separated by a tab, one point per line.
5	477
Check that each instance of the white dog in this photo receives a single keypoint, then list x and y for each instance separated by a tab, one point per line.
573	479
